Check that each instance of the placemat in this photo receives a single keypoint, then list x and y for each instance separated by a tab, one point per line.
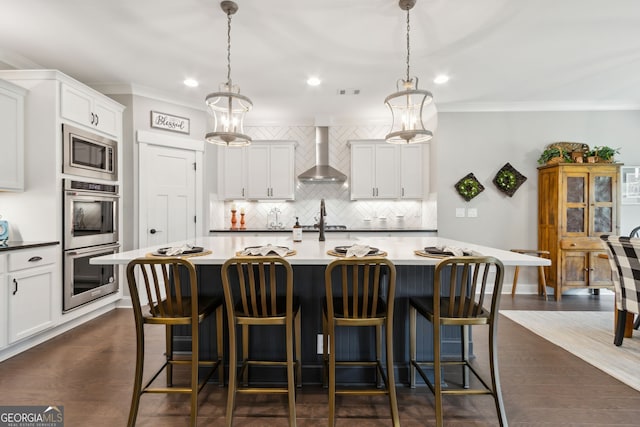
341	255
291	252
155	254
428	255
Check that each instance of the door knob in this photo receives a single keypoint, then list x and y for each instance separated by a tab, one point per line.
154	231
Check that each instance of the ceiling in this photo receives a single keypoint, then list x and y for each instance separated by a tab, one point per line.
499	54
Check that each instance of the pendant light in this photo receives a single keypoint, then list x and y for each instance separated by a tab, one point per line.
228	106
409	103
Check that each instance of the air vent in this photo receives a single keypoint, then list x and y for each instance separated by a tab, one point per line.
348	91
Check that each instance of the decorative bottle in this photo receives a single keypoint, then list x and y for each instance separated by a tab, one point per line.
297	232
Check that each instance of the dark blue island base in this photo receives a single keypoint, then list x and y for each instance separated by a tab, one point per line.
351	344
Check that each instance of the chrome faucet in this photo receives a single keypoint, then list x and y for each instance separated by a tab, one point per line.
323	213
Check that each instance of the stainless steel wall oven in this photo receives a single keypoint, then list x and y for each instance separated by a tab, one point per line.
90	229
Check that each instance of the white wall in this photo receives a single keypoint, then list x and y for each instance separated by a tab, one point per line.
137	117
483	142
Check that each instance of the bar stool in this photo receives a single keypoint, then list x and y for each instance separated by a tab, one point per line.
171	303
542	281
460	303
258	291
355	297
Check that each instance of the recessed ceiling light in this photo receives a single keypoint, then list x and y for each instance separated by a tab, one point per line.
442	78
190	82
313	81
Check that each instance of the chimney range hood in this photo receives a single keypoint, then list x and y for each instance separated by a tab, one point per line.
322	172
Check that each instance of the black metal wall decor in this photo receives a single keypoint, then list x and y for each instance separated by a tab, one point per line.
469	187
508	179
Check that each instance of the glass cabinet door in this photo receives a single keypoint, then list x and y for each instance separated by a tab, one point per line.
603	197
576	204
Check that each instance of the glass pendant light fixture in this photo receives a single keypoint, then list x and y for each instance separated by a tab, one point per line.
409	103
228	106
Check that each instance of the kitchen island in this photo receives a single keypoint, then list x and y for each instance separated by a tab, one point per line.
414	277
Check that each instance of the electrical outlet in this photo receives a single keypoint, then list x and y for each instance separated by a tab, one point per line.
459	212
472	213
320	344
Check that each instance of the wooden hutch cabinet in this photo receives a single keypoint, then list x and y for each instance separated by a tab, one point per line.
577	203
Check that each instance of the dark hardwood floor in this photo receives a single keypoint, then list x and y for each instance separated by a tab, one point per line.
89	370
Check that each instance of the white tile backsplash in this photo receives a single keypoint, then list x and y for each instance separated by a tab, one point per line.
340	209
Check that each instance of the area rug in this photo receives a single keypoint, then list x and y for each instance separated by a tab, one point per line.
588	335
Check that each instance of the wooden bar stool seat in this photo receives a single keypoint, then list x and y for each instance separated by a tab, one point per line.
258	291
360	292
460	301
171	287
542	281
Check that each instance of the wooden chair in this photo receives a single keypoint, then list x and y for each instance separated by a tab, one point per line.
459	301
624	257
171	287
355	296
542	281
258	291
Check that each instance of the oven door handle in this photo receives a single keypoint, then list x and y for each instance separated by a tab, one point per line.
91	249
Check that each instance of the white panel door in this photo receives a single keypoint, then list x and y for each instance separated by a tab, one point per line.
171	198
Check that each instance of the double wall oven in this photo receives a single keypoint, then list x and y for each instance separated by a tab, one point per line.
90	215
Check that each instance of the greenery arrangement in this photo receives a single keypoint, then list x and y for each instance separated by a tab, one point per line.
552	152
508	179
469	187
603	152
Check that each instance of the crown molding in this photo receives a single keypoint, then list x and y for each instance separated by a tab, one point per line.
146	92
470	107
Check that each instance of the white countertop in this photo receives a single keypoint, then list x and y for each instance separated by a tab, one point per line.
310	251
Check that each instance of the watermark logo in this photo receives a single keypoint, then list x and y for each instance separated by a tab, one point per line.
31	416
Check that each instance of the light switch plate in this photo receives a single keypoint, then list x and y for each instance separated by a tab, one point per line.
472	213
459	212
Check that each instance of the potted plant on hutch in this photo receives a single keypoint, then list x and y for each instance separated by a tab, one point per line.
602	154
554	154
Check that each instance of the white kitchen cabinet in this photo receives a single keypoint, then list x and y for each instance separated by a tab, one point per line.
410	166
3	300
12	136
233	173
30	296
374	171
85	108
270	171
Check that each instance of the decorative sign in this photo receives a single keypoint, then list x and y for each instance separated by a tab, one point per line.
169	122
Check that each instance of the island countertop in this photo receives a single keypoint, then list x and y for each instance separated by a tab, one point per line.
399	249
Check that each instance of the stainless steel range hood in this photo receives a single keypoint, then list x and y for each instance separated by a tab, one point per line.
322	172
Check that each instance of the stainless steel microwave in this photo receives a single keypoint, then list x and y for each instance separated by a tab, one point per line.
89	155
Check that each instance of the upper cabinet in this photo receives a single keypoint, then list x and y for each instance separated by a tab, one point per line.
261	171
386	171
88	110
411	177
233	173
12	136
374	171
271	171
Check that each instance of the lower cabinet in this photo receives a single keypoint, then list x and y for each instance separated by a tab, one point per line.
29	292
3	301
584	268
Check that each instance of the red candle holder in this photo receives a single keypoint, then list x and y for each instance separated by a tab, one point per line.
234	220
